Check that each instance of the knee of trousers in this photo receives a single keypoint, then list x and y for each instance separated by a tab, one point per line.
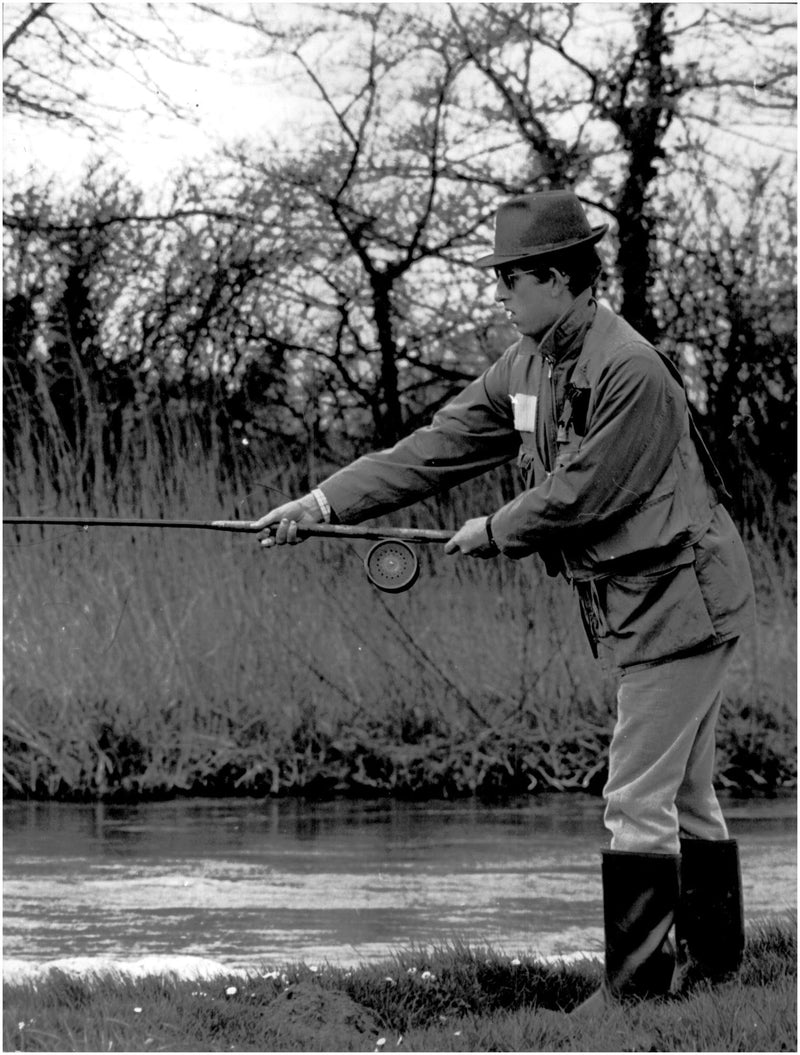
702	820
649	825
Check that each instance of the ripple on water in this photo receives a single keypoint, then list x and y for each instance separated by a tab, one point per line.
344	885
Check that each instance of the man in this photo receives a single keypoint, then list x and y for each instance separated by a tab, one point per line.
623	500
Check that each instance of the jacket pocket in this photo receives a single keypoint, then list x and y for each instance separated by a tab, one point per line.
567	449
528	463
723	572
652	616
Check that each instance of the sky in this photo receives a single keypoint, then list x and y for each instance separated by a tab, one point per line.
227	100
230	96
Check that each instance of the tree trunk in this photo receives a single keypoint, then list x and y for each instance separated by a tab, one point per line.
642	111
389	422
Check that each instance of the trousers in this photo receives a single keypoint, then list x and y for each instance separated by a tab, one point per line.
661	759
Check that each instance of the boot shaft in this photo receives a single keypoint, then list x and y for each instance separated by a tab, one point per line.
640	899
709	926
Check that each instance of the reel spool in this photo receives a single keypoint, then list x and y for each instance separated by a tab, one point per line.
392	566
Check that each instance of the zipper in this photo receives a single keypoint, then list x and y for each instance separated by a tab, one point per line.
552	455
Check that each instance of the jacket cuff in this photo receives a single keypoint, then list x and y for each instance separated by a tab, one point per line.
323	503
506	539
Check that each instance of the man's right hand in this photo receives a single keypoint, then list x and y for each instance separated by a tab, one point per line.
279	526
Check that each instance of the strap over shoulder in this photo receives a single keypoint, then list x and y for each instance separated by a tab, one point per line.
713	473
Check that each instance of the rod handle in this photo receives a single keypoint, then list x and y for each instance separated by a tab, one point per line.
347	531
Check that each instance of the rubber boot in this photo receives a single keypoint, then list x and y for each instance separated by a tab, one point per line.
709	926
640	898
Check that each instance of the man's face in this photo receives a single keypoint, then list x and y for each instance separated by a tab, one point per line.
530	304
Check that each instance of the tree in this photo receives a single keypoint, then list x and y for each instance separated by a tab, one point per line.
729	298
52	51
374	218
329	272
501	99
115	314
614	99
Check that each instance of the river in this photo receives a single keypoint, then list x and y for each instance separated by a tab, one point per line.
271	882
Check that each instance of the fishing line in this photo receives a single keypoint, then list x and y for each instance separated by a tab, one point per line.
122	611
271	487
428	661
266	487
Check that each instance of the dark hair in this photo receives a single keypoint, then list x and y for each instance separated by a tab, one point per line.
581	267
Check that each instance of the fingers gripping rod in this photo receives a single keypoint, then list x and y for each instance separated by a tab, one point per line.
391	563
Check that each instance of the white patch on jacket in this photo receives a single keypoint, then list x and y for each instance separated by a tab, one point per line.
524	412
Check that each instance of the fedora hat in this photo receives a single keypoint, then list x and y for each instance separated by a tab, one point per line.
539	224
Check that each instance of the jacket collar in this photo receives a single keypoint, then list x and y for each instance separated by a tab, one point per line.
567	333
602	322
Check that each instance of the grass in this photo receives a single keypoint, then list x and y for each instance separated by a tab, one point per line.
447	999
150	663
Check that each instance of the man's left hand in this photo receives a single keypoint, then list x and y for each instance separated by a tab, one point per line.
472	540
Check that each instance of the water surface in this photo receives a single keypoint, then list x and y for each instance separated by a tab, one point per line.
273	882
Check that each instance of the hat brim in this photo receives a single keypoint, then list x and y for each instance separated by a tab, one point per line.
496	259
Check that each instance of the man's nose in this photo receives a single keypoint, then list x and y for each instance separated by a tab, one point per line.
501	291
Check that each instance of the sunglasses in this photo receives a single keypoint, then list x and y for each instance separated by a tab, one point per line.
509	274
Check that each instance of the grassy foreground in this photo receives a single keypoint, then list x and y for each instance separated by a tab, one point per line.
454	999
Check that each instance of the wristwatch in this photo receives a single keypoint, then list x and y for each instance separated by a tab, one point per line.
492	544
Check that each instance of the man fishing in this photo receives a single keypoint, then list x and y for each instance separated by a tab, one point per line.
622	499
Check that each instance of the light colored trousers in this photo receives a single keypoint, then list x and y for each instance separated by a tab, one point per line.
661	760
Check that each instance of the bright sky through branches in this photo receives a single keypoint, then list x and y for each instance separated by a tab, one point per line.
227	96
232	92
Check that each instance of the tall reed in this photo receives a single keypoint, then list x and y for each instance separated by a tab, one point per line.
155	662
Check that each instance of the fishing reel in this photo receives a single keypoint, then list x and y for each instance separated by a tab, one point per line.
392	565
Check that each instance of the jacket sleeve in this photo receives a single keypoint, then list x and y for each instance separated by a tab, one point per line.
470	435
633	429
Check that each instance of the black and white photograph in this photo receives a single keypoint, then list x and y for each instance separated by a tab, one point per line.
399	527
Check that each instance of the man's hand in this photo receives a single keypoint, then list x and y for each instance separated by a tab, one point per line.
473	540
280	524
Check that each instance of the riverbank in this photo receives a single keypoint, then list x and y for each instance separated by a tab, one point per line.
450	999
319	762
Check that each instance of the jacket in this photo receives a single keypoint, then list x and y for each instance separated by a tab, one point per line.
620	495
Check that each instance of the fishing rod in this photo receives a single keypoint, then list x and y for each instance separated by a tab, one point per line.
391	563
